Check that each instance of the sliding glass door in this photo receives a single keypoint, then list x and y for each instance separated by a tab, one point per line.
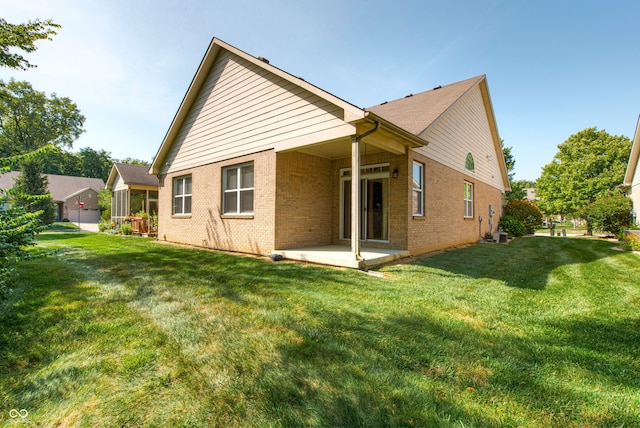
374	206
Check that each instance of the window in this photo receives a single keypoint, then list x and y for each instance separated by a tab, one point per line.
468	200
182	195
469	164
237	186
418	189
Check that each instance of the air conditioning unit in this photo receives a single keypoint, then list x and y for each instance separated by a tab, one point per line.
500	237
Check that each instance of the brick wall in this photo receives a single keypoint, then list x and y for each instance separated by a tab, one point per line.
444	224
206	226
304	195
297	204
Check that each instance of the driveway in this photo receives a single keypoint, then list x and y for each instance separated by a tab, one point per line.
87	227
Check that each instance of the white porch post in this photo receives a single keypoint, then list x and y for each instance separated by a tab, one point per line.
355	197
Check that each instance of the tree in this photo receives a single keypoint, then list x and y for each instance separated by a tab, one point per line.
517	189
104	201
30	191
23	37
17	226
525	211
589	165
509	160
61	162
30	120
132	161
610	214
96	164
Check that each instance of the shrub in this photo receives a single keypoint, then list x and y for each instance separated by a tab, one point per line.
630	241
126	229
104	226
610	214
512	225
525	211
18	229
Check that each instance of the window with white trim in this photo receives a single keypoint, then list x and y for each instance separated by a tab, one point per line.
237	189
418	189
182	195
468	200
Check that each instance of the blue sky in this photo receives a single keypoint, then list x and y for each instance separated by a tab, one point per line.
553	67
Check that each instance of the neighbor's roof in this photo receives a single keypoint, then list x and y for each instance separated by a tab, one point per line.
132	174
633	158
416	112
60	186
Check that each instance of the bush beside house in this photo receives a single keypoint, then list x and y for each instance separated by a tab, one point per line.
520	218
608	215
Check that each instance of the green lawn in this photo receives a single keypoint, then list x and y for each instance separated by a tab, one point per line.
121	331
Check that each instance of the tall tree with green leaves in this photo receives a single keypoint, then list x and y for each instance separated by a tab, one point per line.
31	191
516	192
509	160
61	162
95	163
29	119
589	165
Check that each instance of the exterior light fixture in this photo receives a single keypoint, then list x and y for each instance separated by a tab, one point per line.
395	173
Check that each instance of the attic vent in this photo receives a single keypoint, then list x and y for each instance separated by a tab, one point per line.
263	59
410	95
437	87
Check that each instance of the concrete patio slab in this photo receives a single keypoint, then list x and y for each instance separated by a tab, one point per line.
336	255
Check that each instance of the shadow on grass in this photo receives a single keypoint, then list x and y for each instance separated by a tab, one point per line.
416	370
338	363
524	263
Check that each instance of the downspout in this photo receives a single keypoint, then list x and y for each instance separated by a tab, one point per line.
355	191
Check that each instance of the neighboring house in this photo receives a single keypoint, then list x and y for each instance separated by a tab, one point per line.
632	176
133	190
260	161
76	198
531	194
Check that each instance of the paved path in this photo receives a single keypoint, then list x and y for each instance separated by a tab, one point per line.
87	227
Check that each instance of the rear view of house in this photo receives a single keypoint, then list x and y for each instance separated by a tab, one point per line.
260	161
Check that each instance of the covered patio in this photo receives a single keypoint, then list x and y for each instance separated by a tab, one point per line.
338	255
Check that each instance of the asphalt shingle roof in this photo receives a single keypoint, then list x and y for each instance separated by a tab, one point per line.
60	186
415	113
136	174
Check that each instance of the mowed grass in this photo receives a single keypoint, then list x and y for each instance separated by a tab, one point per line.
113	331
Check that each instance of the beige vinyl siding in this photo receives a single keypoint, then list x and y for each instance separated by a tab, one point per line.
636	175
464	129
634	194
244	109
118	184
